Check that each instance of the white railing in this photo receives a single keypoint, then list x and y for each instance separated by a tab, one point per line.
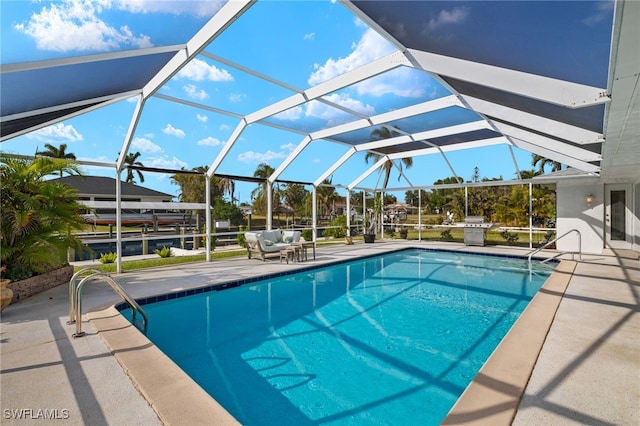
75	302
579	252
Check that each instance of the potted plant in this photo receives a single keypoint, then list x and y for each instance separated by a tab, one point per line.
371	223
6	294
369	234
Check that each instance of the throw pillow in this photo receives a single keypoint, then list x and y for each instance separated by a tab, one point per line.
268	243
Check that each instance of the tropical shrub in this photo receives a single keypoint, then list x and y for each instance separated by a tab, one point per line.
446	235
509	237
108	257
164	252
339	230
38	216
307	234
240	239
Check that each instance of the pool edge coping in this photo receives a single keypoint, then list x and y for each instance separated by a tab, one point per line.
494	395
178	399
174	396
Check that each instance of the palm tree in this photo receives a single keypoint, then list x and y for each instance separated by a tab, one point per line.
228	186
59	152
294	195
130	160
326	195
381	134
541	162
37	215
259	195
192	186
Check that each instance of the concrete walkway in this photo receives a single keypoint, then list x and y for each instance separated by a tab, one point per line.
588	371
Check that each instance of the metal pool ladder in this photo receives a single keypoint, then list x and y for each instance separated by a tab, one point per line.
561	253
75	298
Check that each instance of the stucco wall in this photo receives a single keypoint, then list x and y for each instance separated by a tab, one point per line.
574	213
636	217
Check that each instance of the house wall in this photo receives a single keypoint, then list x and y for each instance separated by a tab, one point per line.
636	217
574	213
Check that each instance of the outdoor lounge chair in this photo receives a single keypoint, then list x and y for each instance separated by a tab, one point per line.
269	242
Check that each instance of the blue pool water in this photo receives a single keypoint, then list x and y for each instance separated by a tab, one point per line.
393	339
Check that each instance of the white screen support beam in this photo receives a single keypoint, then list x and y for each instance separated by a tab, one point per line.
547	143
535	122
229	12
370	170
334	166
429	134
227	147
545	89
292	156
385	117
99	103
371	69
135	118
555	156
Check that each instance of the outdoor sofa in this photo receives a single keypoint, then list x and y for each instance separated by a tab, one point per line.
270	242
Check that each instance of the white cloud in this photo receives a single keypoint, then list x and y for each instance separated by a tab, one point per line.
455	16
224	127
170	130
210	141
291	114
194	93
58	132
403	81
288	147
198	8
353	104
165	162
310	36
202	117
237	97
259	157
602	11
199	70
77	26
325	112
145	145
370	47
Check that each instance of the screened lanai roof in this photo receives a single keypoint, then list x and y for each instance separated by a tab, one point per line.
429	80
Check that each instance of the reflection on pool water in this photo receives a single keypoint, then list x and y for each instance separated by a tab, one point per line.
392	339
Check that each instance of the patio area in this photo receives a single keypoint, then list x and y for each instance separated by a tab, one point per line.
588	371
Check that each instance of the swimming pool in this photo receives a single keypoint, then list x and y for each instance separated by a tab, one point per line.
388	339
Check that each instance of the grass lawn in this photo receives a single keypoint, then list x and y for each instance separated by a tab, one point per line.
132	265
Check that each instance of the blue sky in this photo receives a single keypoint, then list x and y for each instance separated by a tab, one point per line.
300	43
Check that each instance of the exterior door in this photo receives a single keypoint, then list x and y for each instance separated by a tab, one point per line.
618	216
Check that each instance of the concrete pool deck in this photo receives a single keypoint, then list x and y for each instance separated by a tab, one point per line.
588	371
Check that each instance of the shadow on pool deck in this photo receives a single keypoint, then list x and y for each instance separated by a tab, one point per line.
587	372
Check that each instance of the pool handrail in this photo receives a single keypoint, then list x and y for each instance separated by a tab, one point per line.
135	307
530	255
72	290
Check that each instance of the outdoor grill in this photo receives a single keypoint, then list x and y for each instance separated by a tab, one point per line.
475	230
